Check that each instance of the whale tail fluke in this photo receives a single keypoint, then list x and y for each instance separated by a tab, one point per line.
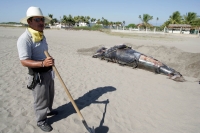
178	78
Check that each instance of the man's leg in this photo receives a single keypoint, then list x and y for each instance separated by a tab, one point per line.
40	93
51	93
40	102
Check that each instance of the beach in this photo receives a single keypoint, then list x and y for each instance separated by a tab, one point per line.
112	98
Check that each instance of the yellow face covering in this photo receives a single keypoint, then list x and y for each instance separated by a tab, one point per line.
36	35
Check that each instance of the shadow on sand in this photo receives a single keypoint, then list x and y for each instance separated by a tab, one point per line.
82	102
101	128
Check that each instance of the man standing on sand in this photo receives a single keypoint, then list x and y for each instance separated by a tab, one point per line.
31	46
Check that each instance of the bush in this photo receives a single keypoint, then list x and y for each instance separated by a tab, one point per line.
97	27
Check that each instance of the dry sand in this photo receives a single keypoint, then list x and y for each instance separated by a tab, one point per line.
112	98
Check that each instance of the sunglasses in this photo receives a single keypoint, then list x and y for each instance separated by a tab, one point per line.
38	19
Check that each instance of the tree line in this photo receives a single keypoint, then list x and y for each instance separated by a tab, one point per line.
71	21
190	18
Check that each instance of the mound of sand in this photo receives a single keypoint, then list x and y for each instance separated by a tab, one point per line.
186	63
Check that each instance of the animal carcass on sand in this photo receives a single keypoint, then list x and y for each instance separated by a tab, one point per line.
125	55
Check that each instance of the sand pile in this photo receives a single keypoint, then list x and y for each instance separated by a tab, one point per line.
186	63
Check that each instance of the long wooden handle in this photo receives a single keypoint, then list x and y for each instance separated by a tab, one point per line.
66	90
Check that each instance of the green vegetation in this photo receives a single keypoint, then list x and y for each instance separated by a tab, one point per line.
176	18
10	23
73	22
54	20
131	26
145	20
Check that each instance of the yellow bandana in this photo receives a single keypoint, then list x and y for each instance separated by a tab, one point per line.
36	35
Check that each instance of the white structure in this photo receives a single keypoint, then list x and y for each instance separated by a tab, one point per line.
179	32
179	28
133	29
55	26
82	24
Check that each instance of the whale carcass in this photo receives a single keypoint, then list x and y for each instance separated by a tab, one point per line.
125	55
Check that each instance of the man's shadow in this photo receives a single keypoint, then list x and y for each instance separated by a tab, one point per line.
82	102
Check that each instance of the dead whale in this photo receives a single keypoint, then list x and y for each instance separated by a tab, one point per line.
125	55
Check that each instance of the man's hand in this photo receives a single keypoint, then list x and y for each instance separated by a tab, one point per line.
49	61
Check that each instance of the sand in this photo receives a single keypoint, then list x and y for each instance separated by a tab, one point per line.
112	98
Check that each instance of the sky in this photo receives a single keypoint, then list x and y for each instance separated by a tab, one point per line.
112	10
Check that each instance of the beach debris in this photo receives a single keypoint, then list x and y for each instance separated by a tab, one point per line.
125	55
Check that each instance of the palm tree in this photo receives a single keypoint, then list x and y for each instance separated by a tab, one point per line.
51	16
77	19
118	23
98	21
82	18
93	19
111	24
102	20
196	23
87	19
145	20
105	22
70	20
123	24
64	20
157	20
139	17
189	18
175	18
55	20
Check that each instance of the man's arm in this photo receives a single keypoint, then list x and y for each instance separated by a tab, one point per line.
49	61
